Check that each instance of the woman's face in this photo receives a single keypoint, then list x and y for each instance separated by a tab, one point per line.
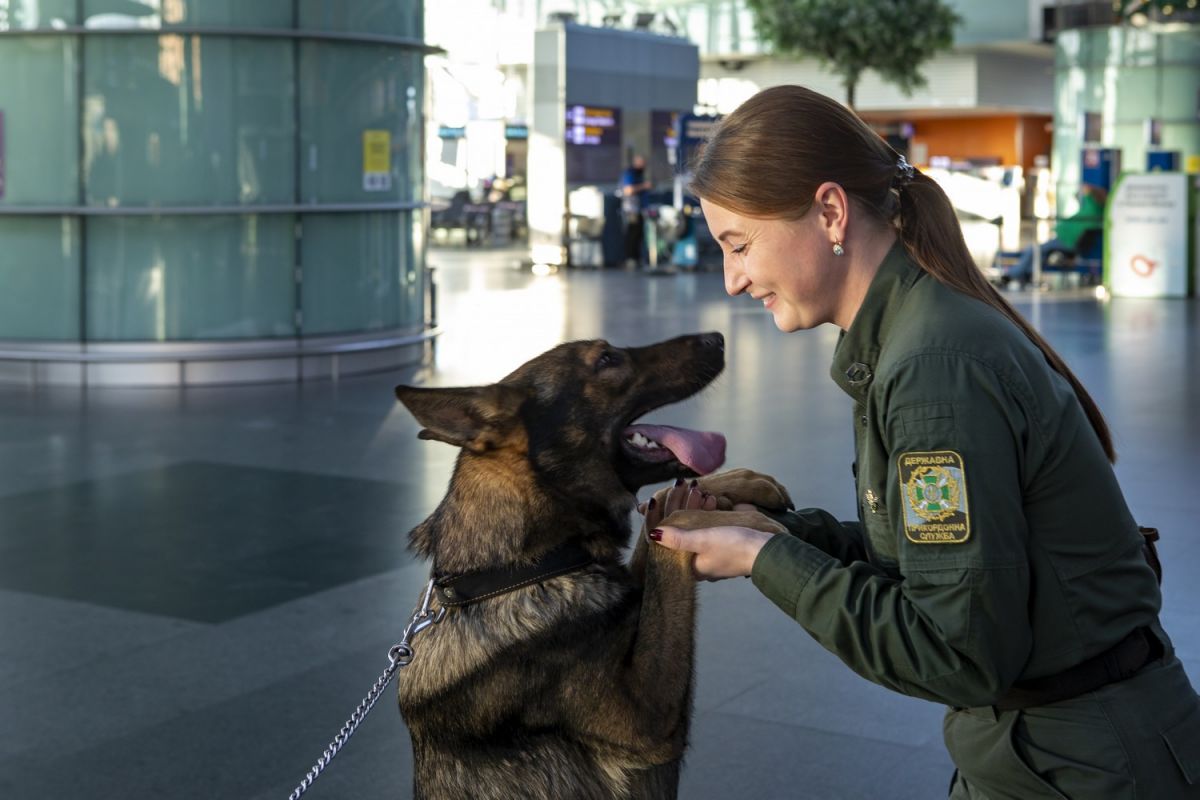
787	265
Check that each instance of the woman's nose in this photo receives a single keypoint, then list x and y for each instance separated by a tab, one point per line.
735	280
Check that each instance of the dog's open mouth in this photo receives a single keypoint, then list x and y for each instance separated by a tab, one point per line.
701	452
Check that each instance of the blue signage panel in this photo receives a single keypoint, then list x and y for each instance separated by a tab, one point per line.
593	135
1101	166
694	130
593	126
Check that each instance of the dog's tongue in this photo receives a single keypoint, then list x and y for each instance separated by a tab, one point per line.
700	451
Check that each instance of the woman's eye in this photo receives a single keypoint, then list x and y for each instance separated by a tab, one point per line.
741	248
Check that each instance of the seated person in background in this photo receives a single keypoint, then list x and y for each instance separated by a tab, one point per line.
1067	231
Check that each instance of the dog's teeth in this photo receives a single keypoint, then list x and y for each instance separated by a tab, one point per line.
638	440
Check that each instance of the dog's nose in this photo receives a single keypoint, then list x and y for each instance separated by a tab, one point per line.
713	340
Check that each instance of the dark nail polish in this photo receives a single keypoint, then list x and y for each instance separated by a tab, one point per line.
650	505
679	481
694	483
656	535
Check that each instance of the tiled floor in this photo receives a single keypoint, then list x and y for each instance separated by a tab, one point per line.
197	587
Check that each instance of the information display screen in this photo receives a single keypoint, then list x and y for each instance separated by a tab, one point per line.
593	135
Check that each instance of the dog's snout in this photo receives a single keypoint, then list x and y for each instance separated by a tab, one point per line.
714	340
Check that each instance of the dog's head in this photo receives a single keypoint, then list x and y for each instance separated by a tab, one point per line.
566	421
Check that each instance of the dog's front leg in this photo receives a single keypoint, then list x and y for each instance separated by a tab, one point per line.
664	650
661	661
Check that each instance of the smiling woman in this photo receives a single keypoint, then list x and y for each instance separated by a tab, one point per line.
1080	694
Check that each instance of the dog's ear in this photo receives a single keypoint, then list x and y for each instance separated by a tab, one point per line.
478	418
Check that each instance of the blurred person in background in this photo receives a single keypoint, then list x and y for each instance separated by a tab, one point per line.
634	188
1068	232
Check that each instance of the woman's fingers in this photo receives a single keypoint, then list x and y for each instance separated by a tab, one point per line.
721	552
682	496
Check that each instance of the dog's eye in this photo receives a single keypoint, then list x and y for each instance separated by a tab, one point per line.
607	360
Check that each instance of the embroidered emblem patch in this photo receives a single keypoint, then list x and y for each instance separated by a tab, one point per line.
934	488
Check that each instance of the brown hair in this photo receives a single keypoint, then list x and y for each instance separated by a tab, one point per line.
768	157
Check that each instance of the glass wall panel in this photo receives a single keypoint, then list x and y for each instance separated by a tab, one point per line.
1181	93
1181	47
385	17
414	271
39	270
1137	92
40	106
188	120
359	273
165	13
35	14
1132	47
351	94
1129	75
187	278
988	21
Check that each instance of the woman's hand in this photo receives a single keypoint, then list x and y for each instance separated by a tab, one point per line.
681	496
735	489
726	543
724	551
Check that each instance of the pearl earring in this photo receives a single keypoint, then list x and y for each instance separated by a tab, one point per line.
838	250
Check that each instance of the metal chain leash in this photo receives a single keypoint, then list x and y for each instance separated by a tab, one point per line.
400	655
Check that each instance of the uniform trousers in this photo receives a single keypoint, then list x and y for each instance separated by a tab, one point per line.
1136	739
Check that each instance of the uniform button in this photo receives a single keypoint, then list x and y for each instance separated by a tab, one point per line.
858	373
862	420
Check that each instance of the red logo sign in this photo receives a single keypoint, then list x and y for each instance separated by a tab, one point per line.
1142	266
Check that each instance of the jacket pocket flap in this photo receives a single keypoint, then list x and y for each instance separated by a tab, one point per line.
1184	742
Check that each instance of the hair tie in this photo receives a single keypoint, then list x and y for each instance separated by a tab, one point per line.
904	173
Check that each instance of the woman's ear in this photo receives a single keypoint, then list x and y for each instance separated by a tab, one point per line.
833	208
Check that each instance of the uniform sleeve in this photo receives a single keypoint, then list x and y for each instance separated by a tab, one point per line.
842	540
954	626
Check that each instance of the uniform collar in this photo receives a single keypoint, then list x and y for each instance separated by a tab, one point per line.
858	348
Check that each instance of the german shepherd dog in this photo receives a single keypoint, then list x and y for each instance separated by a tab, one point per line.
575	685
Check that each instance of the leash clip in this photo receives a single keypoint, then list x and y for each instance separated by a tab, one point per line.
402	652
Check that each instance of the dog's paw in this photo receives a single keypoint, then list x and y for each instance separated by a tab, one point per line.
693	520
747	486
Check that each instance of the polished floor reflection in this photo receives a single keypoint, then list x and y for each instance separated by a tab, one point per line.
197	587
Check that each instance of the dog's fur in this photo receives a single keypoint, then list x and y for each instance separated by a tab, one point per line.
580	686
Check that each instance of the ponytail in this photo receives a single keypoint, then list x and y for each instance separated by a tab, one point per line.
933	237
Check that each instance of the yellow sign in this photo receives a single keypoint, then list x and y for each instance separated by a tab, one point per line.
377	161
1192	165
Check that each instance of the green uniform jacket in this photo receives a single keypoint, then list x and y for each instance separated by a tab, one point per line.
993	543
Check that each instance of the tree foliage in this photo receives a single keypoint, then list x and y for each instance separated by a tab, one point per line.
1127	8
892	37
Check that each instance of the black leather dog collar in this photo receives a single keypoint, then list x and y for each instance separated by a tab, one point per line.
471	587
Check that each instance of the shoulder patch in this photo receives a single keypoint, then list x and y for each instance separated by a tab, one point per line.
933	486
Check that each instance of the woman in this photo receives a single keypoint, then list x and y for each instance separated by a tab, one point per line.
995	567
